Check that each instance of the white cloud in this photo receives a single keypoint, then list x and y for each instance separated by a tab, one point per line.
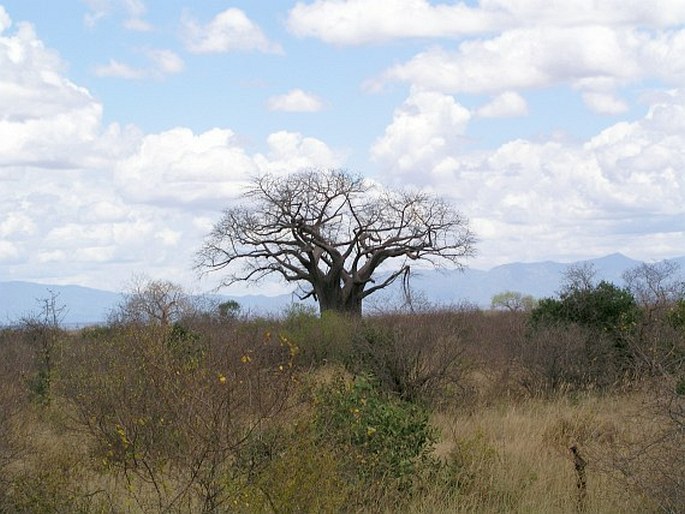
359	21
168	237
180	168
120	70
134	11
230	30
291	151
354	22
621	190
427	127
31	84
604	103
526	58
295	101
138	25
653	13
5	21
8	252
166	61
507	105
17	224
163	62
47	121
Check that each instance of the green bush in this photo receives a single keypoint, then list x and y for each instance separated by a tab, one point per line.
604	306
287	469
381	438
582	338
57	483
325	338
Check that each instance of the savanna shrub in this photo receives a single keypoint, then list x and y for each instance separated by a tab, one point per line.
604	306
559	358
581	339
288	469
56	484
379	437
418	357
162	415
15	362
325	338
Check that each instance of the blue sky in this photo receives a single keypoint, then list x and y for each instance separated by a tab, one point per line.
126	126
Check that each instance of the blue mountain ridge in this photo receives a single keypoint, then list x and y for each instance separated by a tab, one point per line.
438	287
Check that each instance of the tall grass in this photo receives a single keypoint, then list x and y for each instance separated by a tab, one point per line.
443	411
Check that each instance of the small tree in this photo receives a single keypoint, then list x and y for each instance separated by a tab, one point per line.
512	301
44	331
655	285
604	306
331	232
582	336
154	301
229	309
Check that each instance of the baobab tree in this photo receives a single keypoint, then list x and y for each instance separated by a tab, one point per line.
333	233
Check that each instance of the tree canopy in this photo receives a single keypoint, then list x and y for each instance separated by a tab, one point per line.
331	232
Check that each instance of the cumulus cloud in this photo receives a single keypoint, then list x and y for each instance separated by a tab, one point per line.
527	58
120	70
358	21
134	11
604	103
85	203
295	100
653	13
5	21
620	190
354	22
507	105
290	151
597	61
178	167
425	129
162	62
32	85
230	30
48	121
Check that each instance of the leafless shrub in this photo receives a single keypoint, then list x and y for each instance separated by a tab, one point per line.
419	356
15	361
565	357
653	462
153	301
168	411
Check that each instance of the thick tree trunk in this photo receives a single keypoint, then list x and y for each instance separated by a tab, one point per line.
332	298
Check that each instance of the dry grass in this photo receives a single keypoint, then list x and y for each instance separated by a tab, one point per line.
514	457
502	447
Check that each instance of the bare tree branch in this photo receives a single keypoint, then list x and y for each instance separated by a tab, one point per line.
330	232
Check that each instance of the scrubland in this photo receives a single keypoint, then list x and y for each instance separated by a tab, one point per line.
451	410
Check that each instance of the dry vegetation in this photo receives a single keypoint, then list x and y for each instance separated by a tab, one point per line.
442	411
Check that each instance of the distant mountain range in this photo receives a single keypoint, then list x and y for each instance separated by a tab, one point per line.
541	279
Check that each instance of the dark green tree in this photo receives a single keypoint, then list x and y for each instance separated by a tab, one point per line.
604	306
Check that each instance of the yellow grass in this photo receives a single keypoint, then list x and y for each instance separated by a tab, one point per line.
515	456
